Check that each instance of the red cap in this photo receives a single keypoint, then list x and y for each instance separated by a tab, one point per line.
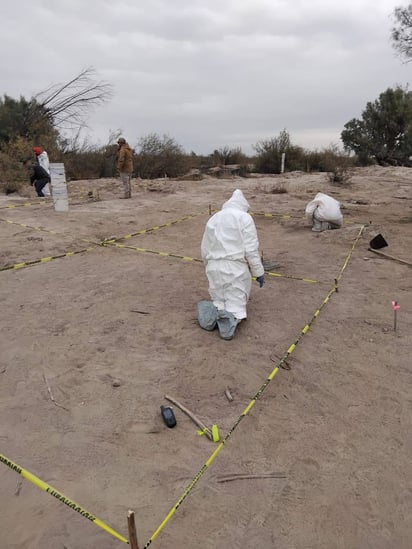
37	150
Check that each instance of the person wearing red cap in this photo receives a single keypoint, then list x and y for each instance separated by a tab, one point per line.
43	161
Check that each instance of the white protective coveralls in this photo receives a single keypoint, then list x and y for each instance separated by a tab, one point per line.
43	160
230	251
324	213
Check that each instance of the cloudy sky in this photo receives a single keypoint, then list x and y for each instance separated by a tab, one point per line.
209	73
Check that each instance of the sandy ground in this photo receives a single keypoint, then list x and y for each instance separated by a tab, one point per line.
108	332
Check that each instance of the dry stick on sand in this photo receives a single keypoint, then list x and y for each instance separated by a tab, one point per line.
228	394
241	476
18	487
51	394
192	416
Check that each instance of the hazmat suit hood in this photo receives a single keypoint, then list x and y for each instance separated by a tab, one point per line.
237	201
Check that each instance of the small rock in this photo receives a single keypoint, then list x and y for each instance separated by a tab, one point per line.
116	383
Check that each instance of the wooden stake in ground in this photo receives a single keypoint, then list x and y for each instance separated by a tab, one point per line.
192	416
395	308
132	530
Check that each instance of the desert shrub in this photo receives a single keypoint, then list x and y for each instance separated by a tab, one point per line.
160	156
313	161
244	170
338	165
340	175
332	160
270	151
226	156
295	159
13	173
12	186
85	165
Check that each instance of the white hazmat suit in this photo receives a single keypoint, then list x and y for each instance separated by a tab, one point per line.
230	251
43	160
324	213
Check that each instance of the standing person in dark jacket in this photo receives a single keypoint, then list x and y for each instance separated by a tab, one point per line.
42	158
125	165
39	178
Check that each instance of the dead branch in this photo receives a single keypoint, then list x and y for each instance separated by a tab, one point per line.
51	394
228	394
18	487
69	102
241	476
192	416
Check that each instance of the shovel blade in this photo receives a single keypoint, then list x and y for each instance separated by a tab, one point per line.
378	242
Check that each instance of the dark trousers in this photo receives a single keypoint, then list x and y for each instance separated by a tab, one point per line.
39	184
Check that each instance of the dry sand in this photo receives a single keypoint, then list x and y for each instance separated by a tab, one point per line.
336	428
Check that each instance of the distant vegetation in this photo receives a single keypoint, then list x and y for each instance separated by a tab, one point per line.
382	135
402	31
384	132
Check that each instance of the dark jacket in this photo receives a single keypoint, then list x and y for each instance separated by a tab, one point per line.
38	174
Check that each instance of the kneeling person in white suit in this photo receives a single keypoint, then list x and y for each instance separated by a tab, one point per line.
323	212
230	251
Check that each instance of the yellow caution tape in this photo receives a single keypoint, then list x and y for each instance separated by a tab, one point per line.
250	405
43	260
282	216
61	497
28	226
197	260
155	228
46	203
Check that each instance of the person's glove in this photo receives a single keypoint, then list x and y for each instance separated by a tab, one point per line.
260	280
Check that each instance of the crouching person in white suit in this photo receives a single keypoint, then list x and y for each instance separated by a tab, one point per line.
230	251
323	213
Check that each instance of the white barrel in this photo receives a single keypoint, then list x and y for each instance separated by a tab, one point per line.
59	187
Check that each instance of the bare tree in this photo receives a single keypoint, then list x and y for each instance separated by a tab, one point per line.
402	32
67	104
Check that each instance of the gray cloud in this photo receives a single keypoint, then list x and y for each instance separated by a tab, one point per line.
209	73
